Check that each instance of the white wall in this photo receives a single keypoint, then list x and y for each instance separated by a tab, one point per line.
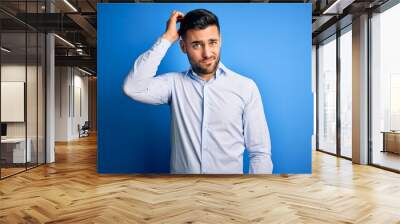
12	73
71	92
61	103
33	127
80	110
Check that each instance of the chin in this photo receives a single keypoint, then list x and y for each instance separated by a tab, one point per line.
206	69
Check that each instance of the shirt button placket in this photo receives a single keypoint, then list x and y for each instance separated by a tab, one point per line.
204	129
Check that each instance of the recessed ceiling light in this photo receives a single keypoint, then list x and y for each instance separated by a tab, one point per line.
84	71
70	5
337	7
65	41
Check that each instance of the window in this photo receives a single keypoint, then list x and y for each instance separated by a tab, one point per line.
346	92
385	88
327	95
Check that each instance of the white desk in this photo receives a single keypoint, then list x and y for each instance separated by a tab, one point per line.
18	145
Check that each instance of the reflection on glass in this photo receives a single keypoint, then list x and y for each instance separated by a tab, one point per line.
31	101
41	98
22	90
386	88
327	96
14	153
346	94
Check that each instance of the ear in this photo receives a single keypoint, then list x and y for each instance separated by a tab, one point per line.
183	47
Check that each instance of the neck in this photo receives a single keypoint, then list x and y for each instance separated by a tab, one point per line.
207	77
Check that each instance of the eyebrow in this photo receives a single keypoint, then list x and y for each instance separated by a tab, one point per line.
200	41
197	42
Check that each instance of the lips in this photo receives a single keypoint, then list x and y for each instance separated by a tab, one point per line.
208	61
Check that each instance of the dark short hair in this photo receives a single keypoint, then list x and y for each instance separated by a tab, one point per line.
197	19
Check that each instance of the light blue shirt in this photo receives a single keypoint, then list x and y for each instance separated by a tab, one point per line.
212	122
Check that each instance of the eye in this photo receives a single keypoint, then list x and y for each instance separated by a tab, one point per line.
213	43
196	46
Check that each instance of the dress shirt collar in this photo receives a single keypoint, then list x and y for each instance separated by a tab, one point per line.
221	70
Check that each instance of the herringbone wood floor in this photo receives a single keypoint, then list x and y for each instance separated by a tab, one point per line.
70	191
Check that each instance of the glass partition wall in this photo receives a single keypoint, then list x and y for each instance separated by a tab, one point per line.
13	91
22	88
334	90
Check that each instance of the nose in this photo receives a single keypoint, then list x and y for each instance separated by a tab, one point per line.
206	52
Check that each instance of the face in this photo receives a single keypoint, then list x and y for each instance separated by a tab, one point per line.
203	49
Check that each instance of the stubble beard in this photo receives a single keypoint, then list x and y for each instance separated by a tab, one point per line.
202	70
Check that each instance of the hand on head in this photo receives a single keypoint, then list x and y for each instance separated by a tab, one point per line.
171	32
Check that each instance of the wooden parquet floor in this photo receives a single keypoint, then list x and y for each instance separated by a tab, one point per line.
70	191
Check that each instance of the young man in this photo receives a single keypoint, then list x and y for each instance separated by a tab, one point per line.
216	113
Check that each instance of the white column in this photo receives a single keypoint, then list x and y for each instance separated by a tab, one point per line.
50	92
360	90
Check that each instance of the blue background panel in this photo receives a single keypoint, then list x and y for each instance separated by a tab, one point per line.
270	43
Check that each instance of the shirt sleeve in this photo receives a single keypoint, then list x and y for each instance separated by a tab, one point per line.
141	83
256	134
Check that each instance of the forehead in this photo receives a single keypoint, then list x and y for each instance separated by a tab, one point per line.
211	32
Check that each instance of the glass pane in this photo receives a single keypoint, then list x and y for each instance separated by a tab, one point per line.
13	86
327	96
23	89
386	89
41	98
32	85
31	101
346	94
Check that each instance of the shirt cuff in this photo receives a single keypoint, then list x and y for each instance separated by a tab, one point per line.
261	165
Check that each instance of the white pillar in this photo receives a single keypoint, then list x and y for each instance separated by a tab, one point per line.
50	91
360	90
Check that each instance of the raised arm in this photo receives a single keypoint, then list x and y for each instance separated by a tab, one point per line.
141	83
256	134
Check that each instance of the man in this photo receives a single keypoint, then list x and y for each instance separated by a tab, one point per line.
216	113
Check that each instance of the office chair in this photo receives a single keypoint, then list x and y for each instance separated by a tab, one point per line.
84	130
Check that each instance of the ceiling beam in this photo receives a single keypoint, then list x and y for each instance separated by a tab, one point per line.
83	61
